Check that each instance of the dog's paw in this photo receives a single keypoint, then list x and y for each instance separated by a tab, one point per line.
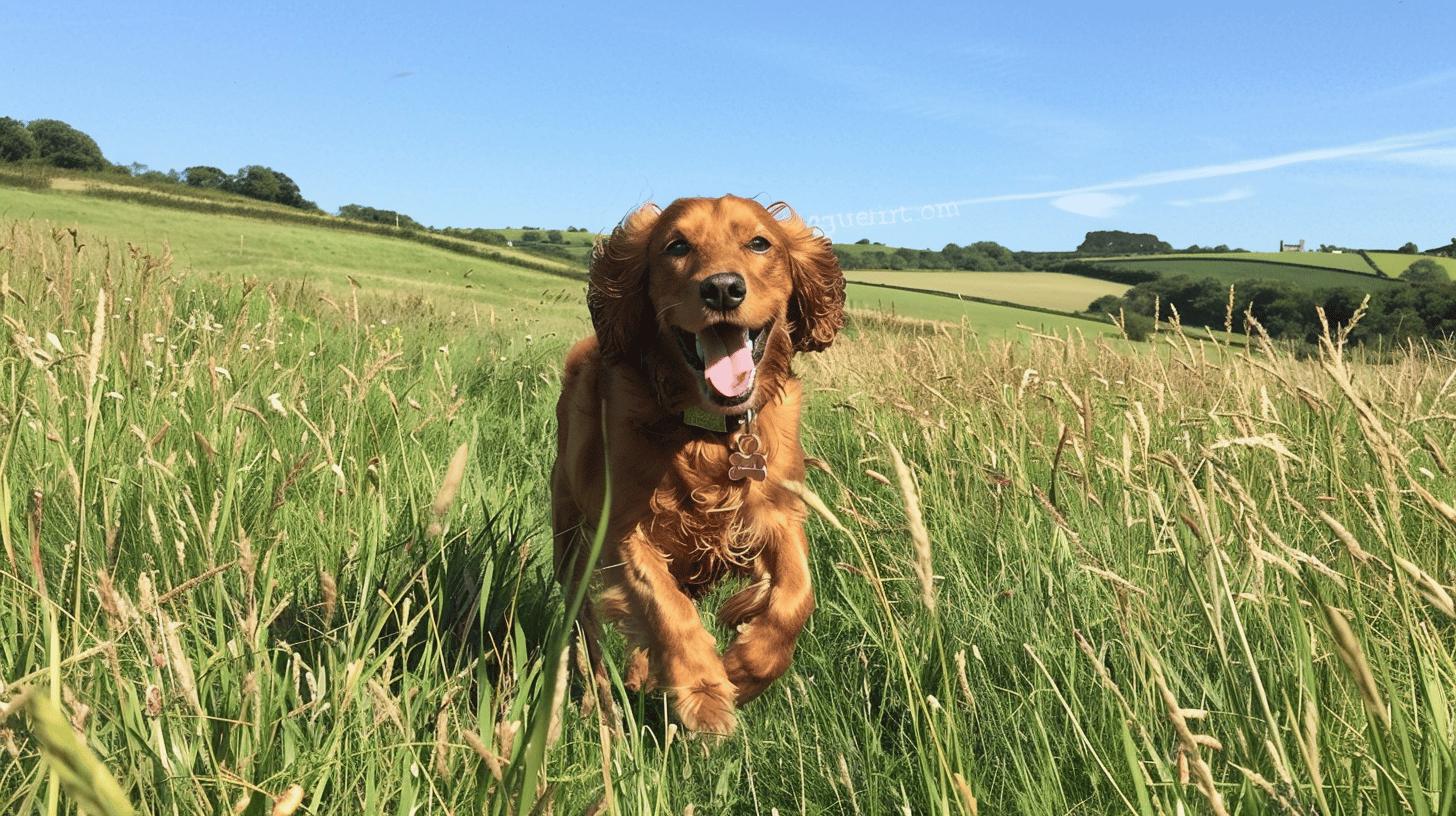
706	707
639	672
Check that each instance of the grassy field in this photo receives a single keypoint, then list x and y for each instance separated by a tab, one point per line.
329	259
1234	268
284	541
1395	263
570	239
984	320
1345	261
1048	290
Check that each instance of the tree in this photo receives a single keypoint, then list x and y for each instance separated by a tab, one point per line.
16	143
555	237
1107	304
1136	326
359	212
60	145
530	235
863	242
256	181
267	184
1117	242
289	194
1425	271
211	178
1409	248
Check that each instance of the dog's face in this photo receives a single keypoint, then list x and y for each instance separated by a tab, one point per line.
723	288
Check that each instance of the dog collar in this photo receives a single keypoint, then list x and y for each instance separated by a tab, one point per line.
747	459
714	421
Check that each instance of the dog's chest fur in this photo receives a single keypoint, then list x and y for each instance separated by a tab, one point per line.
703	522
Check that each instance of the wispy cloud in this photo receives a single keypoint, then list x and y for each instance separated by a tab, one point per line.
1436	157
1422	83
402	75
1235	194
1378	148
1093	205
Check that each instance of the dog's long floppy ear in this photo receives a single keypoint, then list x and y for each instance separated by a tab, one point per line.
816	310
617	293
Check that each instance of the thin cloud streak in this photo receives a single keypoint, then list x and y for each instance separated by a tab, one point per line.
1093	205
1236	194
1433	157
1371	149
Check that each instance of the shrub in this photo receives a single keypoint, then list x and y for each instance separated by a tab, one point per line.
1118	242
1138	327
60	145
16	143
206	177
555	237
1425	271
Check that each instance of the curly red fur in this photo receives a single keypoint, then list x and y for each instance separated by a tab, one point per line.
676	523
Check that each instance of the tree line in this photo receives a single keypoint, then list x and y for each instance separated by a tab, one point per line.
981	256
53	143
1423	308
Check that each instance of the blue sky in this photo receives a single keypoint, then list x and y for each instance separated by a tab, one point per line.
1028	124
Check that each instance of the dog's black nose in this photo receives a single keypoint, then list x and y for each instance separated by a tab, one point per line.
724	291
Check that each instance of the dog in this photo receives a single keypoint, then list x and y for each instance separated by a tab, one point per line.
685	402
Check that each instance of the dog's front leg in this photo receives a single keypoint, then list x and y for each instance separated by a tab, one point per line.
764	647
683	654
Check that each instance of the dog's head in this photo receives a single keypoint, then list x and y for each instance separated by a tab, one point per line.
721	290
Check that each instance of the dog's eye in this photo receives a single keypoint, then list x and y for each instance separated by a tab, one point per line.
759	244
677	248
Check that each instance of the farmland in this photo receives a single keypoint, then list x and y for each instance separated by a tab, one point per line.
1049	290
1233	268
269	533
1345	261
1394	263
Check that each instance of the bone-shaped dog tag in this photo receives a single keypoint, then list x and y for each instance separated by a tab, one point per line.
746	462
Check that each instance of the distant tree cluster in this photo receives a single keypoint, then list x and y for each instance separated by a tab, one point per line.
1117	242
359	212
477	234
982	256
1424	309
254	181
49	142
53	143
1219	248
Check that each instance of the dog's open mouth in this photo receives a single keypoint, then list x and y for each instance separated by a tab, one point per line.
727	356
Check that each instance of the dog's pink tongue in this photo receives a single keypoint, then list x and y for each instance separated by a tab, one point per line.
728	359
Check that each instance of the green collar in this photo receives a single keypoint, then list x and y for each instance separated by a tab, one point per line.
714	421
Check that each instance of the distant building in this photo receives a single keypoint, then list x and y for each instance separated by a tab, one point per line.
1284	247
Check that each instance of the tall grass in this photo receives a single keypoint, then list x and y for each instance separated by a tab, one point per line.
247	569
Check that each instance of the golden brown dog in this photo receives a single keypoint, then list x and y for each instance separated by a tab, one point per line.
685	397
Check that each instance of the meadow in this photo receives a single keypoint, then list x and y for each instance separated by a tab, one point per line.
1304	268
1345	261
276	543
1395	263
1050	290
1234	268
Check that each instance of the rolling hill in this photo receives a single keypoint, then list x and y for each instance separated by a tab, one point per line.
447	275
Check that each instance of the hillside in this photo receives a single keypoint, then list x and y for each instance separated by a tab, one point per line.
1304	270
324	252
1047	290
312	555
